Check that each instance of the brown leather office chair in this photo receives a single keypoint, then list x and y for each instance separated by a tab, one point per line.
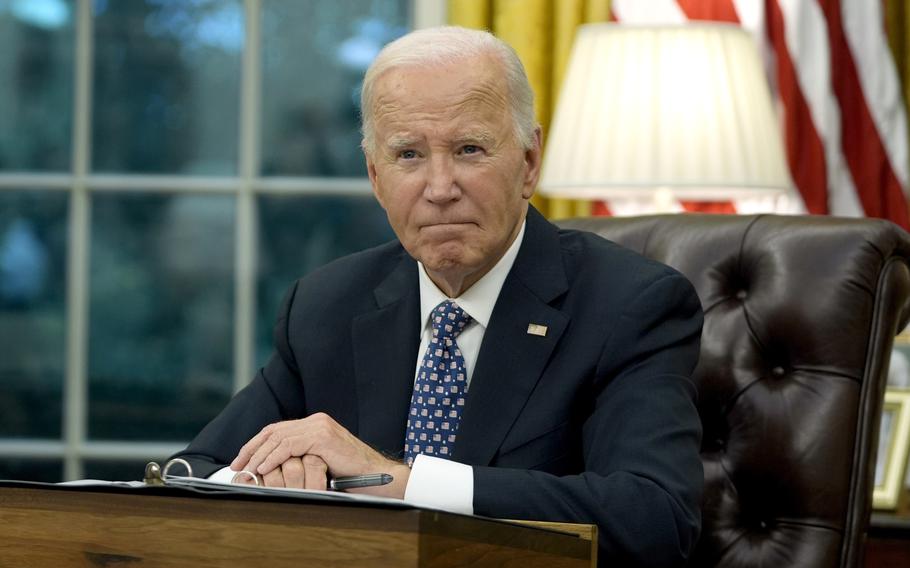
800	316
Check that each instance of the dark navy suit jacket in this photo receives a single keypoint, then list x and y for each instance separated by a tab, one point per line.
593	422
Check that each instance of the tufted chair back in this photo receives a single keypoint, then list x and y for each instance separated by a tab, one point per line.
800	316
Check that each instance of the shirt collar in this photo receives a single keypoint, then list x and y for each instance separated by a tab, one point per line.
478	300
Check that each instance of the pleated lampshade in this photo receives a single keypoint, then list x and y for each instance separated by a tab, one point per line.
685	109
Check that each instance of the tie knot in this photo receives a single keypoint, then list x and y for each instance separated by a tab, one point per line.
449	319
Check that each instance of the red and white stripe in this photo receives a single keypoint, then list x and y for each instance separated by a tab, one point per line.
841	109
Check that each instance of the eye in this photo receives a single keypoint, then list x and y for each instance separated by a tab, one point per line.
407	154
470	149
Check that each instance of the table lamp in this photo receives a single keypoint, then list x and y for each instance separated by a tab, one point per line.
664	113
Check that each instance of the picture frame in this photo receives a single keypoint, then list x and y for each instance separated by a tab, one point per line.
893	450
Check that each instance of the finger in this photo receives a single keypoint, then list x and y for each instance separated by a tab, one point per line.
284	449
274	447
293	473
273	479
275	444
248	449
315	470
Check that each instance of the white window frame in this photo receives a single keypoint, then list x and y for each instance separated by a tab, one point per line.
75	447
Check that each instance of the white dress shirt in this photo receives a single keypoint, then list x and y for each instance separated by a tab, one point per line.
436	482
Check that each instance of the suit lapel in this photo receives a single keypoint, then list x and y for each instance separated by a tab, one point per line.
385	354
512	360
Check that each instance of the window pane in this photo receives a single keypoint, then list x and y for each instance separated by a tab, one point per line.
28	469
300	233
311	127
36	84
161	320
167	84
33	229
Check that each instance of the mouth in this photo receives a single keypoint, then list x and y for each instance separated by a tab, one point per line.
447	222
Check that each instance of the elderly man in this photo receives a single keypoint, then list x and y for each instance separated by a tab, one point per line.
491	363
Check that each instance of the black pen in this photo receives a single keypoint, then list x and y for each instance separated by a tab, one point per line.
369	480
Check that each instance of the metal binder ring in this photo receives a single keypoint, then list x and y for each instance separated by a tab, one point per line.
177	461
239	475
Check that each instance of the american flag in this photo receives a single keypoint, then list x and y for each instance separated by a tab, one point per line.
839	98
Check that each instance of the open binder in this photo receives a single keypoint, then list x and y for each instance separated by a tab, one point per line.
157	476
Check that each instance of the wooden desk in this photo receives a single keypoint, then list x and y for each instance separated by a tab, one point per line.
888	542
60	527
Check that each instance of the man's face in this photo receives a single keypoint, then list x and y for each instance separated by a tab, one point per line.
448	169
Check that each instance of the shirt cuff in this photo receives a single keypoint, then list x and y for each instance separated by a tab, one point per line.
441	484
223	475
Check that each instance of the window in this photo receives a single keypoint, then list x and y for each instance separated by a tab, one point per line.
167	169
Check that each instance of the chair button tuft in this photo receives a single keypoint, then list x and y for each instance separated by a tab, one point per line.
778	371
742	295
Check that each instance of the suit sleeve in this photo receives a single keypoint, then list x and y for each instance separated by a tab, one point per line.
642	478
275	394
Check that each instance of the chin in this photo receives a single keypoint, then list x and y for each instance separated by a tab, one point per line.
443	264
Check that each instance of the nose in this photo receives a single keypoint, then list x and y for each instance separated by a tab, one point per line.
441	186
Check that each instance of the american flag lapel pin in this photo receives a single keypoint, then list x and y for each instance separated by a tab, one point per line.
537	329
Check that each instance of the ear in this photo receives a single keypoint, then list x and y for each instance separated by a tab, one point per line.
533	159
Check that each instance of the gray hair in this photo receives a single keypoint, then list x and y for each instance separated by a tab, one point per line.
447	44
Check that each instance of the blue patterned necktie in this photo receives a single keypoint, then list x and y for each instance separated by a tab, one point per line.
440	388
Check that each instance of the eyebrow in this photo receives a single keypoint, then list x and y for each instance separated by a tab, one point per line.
483	137
400	142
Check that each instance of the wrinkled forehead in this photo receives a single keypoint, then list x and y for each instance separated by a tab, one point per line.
466	86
